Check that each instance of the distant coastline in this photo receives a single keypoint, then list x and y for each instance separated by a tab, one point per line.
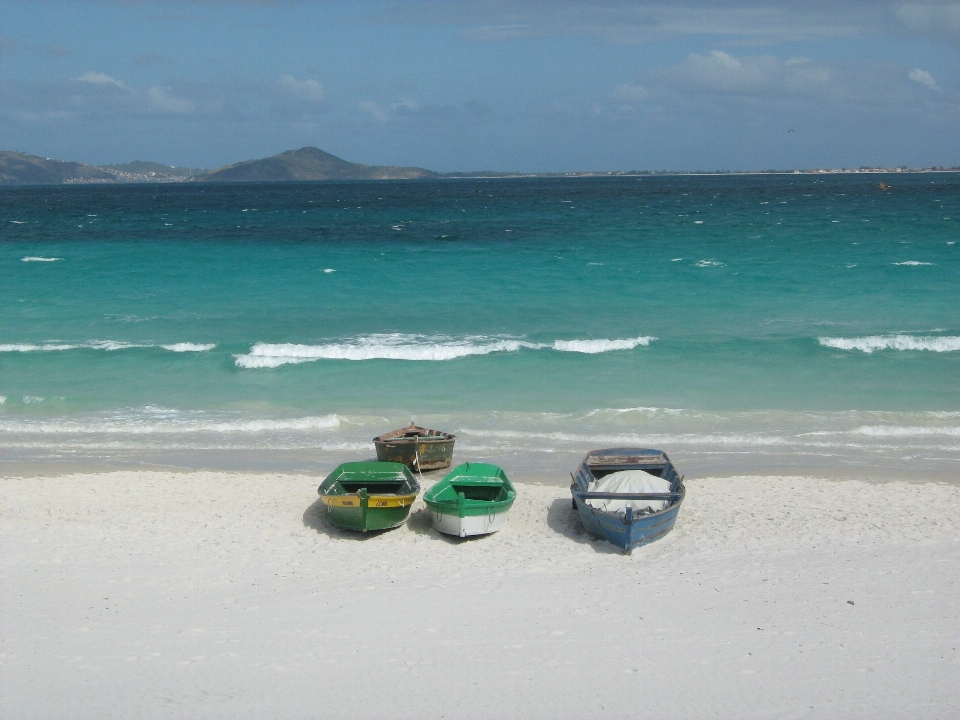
310	164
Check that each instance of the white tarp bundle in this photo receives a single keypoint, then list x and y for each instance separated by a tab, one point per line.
629	481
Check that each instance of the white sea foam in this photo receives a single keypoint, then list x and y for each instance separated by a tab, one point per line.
907	431
871	343
329	270
631	439
51	347
31	258
709	263
3	399
173	425
111	345
26	347
600	346
912	263
189	347
378	347
108	345
417	348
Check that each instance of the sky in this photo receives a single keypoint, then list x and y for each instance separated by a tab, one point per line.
530	85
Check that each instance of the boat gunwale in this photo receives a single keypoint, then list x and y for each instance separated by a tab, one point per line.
400	435
352	472
495	479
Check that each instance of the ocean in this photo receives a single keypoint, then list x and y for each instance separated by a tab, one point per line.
749	323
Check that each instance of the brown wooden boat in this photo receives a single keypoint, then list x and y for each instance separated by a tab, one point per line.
416	447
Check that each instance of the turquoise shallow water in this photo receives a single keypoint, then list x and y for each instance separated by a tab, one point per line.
736	321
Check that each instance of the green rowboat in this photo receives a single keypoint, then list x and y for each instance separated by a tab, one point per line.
368	496
473	499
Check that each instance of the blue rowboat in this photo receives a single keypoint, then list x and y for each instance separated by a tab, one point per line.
627	519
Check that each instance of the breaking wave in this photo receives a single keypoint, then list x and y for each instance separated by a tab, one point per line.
188	347
171	426
912	263
907	431
416	347
871	343
109	345
52	347
31	258
630	439
600	346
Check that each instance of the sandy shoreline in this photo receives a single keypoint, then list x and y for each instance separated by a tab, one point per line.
159	594
525	475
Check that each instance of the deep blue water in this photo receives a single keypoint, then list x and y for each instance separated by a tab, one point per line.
736	312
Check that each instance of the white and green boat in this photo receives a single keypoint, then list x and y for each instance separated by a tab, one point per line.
473	499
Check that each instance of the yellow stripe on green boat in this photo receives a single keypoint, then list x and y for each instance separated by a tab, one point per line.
341	500
373	501
382	501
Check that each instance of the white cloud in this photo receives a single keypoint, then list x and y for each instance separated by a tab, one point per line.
630	93
163	100
95	78
636	21
304	89
722	73
405	106
934	17
372	109
767	91
923	77
502	32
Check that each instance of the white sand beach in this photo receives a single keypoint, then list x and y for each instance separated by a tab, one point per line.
211	595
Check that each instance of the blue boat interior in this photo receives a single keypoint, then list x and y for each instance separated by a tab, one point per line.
600	471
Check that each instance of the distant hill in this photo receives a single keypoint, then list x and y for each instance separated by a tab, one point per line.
154	170
305	164
310	163
18	168
22	169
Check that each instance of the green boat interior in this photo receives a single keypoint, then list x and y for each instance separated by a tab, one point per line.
373	487
488	493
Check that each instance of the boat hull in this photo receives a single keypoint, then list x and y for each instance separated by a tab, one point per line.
627	530
453	524
369	514
369	496
416	453
611	527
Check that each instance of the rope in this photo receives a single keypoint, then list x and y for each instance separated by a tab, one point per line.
416	452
